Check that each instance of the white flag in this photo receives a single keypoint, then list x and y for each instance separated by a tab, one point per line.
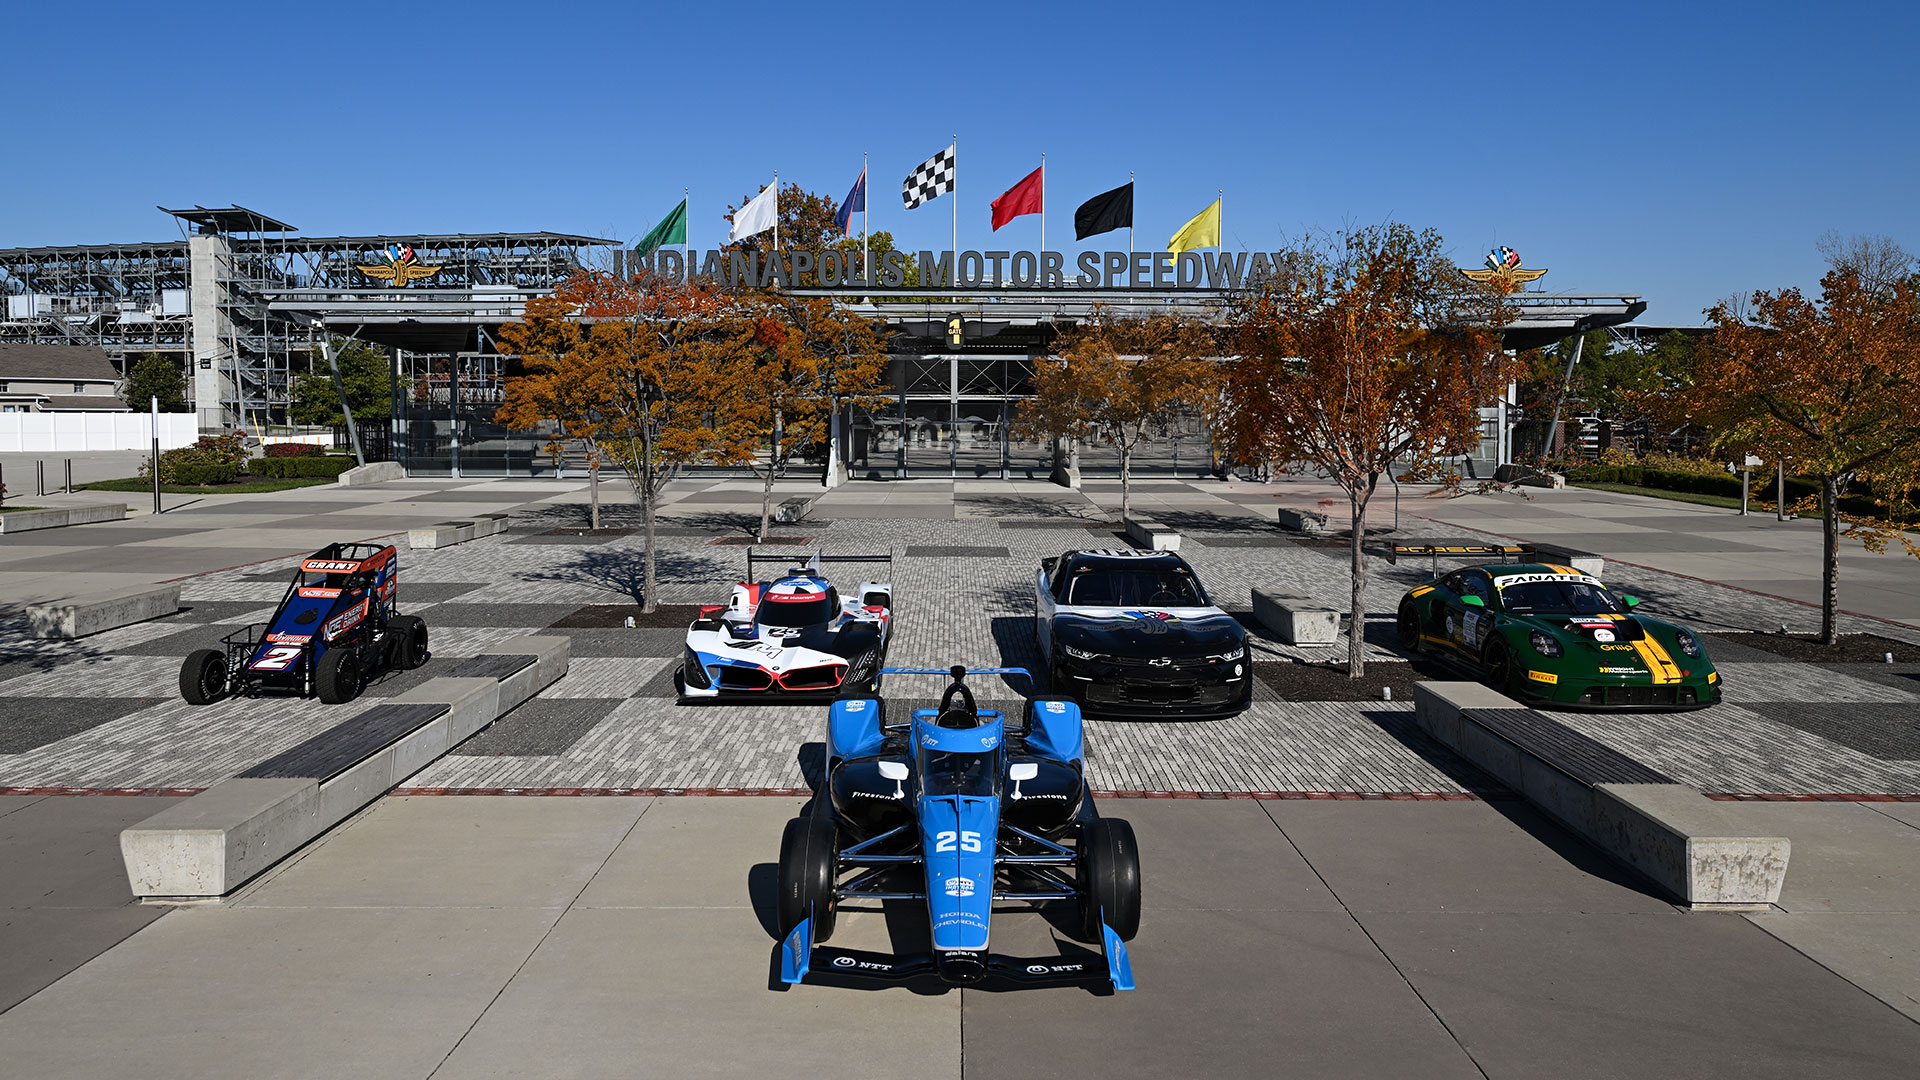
759	215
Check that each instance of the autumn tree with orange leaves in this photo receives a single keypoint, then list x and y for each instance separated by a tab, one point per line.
636	369
1121	378
804	360
1369	347
1832	385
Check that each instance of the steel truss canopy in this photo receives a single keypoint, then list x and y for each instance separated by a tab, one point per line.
229	219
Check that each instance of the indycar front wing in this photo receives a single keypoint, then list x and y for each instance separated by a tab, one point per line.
800	957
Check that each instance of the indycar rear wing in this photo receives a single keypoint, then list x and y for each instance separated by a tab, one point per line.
1466	548
815	562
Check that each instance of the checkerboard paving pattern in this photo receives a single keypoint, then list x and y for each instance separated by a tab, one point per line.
104	712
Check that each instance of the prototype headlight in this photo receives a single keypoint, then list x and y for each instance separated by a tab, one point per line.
1228	656
1080	654
1689	644
1544	644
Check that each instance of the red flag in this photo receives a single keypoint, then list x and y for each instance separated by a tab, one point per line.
1021	198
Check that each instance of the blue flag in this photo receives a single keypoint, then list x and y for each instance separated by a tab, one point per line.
855	200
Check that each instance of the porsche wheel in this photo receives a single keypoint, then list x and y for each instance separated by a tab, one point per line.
807	858
1496	663
203	677
338	679
1408	624
1108	879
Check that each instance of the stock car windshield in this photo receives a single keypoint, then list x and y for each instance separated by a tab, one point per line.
1168	586
944	773
806	611
1558	596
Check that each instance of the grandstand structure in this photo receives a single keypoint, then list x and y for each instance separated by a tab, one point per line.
247	304
209	298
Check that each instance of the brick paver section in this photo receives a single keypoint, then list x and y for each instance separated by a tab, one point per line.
612	723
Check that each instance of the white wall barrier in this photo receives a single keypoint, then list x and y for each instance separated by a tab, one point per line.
73	432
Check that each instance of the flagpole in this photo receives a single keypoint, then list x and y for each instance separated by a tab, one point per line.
1130	214
1043	202
686	232
776	209
1222	221
956	198
866	254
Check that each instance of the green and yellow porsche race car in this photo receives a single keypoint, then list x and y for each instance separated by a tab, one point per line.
1549	634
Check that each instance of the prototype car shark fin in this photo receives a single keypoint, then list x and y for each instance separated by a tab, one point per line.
1119	970
797	951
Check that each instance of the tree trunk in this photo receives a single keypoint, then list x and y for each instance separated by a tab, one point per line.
766	502
1357	608
1829	559
1126	482
593	491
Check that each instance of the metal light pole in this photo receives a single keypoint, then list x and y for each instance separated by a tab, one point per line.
155	415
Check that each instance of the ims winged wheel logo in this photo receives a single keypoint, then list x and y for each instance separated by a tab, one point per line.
402	266
1503	271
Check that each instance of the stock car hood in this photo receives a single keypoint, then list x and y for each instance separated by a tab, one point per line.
1149	633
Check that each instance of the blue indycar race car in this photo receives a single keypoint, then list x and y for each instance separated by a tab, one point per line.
959	809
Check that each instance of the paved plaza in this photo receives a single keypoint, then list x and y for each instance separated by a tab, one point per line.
1329	891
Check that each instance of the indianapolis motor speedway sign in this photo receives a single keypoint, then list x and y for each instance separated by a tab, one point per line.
1146	270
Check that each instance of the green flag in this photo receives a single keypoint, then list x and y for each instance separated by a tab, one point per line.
671	230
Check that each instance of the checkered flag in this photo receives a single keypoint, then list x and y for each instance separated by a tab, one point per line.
931	180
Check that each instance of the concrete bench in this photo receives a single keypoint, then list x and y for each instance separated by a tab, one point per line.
1306	521
79	616
1528	476
1151	535
792	510
1297	620
20	521
1584	561
376	472
1696	849
218	840
448	533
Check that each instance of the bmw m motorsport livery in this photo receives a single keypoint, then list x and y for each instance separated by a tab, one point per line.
957	809
795	635
1548	633
1132	632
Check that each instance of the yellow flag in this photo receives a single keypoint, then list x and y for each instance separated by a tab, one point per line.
1202	231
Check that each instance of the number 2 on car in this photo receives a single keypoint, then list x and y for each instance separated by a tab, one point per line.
277	658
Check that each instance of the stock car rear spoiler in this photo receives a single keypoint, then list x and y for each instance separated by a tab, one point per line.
815	562
799	957
1484	550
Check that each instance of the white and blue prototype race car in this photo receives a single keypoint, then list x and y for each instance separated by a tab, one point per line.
957	808
796	635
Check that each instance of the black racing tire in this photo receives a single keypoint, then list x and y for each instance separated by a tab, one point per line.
410	641
1108	879
1408	624
1496	664
338	679
203	677
807	862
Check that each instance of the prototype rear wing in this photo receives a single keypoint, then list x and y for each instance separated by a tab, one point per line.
1479	550
815	562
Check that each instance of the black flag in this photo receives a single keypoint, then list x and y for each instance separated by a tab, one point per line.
1105	213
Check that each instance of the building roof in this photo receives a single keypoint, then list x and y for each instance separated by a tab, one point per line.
83	403
225	219
79	363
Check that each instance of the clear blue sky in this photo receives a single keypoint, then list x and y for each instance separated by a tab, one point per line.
1682	151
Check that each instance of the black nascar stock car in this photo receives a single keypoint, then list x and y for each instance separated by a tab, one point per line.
1132	633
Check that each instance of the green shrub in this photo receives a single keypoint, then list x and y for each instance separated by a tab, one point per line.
201	475
227	450
295	449
281	468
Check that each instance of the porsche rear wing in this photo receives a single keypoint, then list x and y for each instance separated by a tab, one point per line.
1466	548
815	562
